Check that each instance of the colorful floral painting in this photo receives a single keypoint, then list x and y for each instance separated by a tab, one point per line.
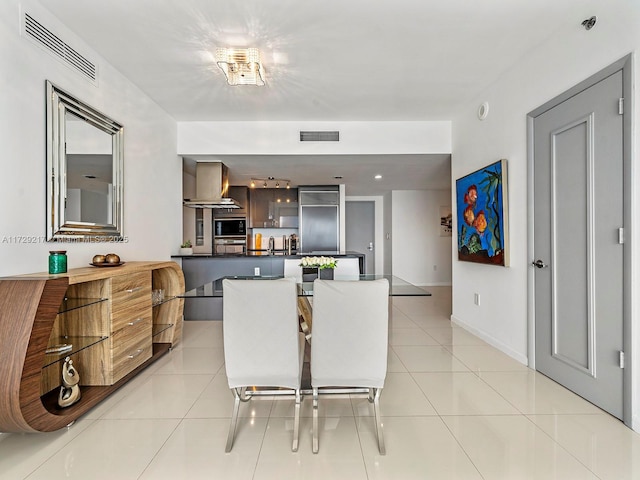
481	199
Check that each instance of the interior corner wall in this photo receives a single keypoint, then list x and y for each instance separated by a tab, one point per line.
568	57
421	255
152	169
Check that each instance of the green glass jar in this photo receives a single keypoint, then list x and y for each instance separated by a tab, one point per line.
57	261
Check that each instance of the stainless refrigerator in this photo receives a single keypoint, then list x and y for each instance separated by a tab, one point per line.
319	219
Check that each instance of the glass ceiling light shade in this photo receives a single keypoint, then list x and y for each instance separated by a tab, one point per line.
241	66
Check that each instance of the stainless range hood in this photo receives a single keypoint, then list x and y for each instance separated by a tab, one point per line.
212	186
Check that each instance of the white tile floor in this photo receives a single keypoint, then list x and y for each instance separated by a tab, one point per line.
453	408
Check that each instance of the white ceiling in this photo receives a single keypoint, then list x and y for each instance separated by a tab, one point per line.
325	60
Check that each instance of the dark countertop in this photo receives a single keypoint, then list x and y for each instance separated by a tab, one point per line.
263	253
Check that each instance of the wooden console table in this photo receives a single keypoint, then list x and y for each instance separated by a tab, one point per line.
105	313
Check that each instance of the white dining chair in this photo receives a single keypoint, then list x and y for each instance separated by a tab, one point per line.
350	342
293	269
262	343
347	269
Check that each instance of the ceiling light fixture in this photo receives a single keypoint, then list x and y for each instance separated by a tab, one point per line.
241	66
270	181
378	177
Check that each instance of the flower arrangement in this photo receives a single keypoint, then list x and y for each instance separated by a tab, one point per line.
186	244
318	262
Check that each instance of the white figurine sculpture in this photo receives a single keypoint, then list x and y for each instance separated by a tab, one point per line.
70	390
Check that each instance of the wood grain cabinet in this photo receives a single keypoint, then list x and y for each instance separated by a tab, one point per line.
105	314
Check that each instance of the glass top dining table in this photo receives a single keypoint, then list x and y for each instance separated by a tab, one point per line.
397	286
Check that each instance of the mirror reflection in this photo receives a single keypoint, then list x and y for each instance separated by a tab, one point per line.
89	159
84	165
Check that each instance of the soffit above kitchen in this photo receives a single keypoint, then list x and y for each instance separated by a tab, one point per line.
349	60
399	172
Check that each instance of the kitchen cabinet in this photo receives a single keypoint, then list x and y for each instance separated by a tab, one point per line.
273	208
107	317
240	194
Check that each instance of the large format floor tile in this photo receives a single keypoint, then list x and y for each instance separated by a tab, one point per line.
450	335
601	442
401	397
21	454
410	336
195	450
192	361
532	392
108	449
462	394
417	448
486	359
340	455
511	447
428	359
161	396
397	319
202	335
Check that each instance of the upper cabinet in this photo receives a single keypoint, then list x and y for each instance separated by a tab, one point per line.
241	195
273	208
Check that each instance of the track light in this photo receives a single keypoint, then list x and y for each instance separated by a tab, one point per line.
265	182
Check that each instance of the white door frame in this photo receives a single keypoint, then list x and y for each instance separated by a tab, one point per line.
624	64
379	229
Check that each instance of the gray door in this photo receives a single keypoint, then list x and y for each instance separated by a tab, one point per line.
360	231
578	213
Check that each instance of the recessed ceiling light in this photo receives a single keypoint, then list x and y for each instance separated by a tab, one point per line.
378	177
338	177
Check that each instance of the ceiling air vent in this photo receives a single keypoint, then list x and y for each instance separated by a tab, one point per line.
320	136
58	47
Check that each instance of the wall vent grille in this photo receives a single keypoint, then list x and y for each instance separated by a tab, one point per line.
320	136
58	47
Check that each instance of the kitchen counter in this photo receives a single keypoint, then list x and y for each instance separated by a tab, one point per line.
200	269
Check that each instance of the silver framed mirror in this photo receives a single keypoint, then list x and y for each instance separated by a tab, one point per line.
85	173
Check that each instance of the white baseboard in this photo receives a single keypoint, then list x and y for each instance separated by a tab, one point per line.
491	341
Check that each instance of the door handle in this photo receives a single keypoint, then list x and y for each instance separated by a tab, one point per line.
539	264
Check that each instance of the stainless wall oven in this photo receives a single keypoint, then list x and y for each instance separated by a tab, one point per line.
229	235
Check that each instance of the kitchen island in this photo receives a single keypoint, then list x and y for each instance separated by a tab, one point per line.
201	269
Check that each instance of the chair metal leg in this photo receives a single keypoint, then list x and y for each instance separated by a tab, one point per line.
379	433
234	420
314	447
296	422
243	395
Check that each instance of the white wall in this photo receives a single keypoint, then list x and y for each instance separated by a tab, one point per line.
267	138
420	255
152	186
567	58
